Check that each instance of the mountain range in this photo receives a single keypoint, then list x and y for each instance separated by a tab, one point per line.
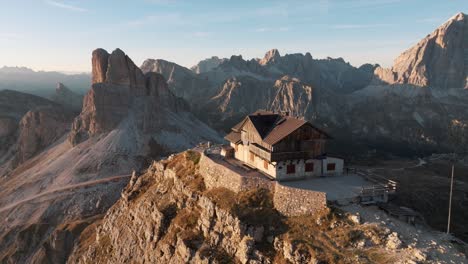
41	83
63	166
416	107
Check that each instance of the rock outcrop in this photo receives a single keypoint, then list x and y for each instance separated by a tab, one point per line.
116	91
38	129
207	65
272	56
13	106
440	60
67	98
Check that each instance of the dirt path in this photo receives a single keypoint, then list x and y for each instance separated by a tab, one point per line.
64	188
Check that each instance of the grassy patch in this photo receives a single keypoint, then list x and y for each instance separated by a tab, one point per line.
193	156
185	166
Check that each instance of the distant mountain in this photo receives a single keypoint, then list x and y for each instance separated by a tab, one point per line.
16	70
67	98
41	83
207	64
183	82
440	60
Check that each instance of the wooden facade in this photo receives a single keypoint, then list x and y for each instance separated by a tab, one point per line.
282	146
305	142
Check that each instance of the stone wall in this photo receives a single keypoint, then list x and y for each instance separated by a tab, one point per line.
216	176
293	201
287	200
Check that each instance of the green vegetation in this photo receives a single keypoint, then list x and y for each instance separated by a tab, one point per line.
193	156
185	166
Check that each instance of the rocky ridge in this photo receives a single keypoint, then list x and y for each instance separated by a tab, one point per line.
207	65
168	215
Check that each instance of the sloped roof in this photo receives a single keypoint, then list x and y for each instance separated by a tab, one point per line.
234	137
271	127
284	127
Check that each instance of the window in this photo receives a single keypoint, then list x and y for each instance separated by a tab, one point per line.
330	166
309	166
235	147
290	169
265	164
252	156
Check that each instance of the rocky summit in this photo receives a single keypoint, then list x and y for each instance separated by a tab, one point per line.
440	60
117	86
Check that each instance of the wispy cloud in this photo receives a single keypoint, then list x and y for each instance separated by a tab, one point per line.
200	34
163	2
429	20
65	6
269	29
359	26
10	36
368	3
171	18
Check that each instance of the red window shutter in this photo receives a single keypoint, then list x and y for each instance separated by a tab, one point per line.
252	156
291	168
309	166
331	166
265	164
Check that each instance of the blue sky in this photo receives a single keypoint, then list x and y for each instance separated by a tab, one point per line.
61	34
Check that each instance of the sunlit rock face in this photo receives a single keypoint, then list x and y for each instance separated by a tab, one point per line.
120	87
439	60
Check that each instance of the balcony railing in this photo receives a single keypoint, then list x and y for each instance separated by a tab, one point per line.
280	156
259	151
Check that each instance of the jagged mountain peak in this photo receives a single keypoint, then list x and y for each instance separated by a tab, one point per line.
271	56
459	16
439	60
207	65
117	84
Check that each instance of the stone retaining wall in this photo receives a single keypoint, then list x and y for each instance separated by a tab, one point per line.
287	200
293	201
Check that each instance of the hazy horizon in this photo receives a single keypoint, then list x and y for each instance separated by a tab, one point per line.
56	35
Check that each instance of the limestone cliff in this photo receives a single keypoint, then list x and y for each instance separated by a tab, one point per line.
119	85
15	107
38	129
439	60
